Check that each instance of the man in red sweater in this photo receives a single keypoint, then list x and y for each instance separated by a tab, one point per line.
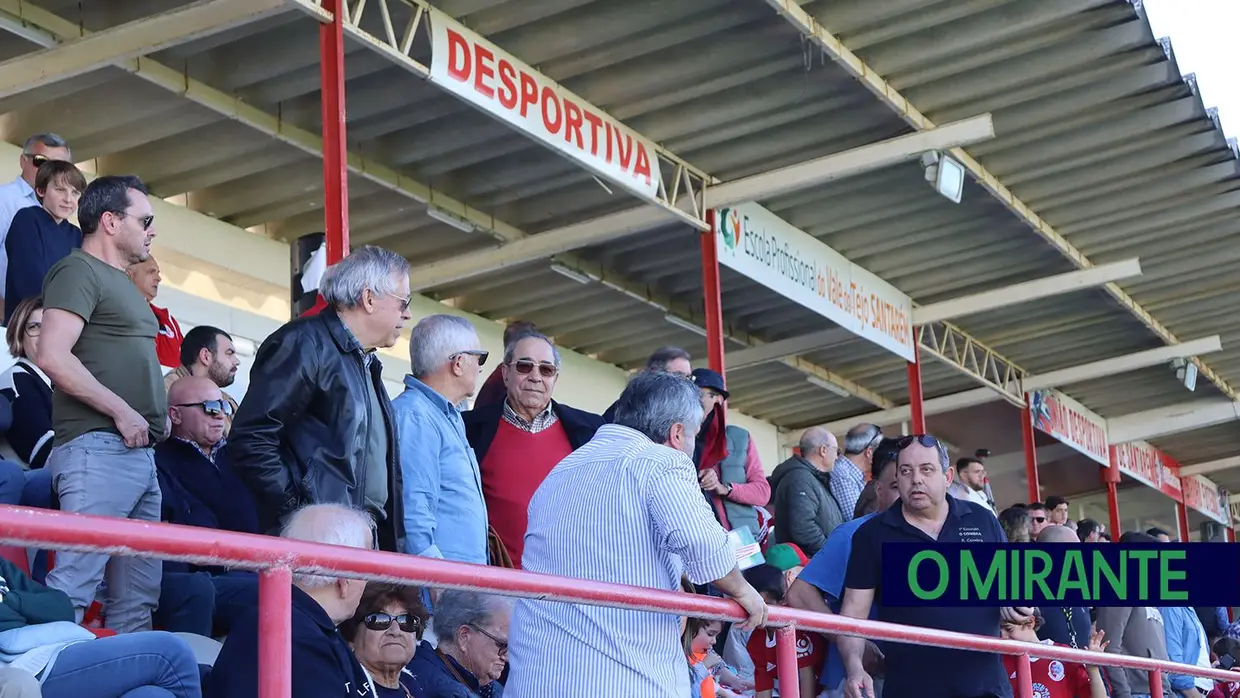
493	390
146	277
520	439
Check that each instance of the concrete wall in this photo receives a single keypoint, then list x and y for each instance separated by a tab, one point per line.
215	273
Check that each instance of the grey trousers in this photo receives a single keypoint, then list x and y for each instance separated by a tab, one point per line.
15	683
97	474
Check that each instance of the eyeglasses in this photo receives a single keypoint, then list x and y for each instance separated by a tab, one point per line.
211	407
501	645
1038	519
380	622
525	367
404	301
481	355
38	160
146	221
33	329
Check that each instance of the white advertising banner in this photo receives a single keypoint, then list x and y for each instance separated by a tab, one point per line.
1071	423
486	76
762	246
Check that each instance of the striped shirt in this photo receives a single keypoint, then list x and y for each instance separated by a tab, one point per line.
625	510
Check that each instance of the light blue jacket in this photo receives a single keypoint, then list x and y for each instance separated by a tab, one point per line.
445	513
1184	635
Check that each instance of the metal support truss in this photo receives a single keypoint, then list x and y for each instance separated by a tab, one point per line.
396	29
956	348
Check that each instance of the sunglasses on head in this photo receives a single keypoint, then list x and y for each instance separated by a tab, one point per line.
382	621
211	407
525	367
924	439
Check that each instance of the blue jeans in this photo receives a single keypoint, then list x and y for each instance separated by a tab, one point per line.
28	488
140	665
97	474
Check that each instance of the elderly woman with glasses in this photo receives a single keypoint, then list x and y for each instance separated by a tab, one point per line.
384	633
473	647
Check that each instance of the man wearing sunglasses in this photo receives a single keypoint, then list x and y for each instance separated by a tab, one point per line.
19	194
925	513
445	513
109	408
520	440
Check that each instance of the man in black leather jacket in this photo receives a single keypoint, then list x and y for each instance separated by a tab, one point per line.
316	423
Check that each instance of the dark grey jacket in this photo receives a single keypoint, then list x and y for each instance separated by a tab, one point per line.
805	510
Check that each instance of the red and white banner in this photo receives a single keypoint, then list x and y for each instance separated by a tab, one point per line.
1204	496
1071	423
1150	466
488	77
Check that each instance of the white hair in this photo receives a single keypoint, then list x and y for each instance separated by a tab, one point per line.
330	524
457	607
654	401
435	339
371	267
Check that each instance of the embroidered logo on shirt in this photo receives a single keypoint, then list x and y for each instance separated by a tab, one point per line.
1055	670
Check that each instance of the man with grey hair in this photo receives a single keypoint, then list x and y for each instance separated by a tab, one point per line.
473	646
806	510
19	193
323	663
852	468
445	513
926	514
625	508
667	359
316	424
520	439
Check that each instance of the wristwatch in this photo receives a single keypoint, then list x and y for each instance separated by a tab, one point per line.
729	492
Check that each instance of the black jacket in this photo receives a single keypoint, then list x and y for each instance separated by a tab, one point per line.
30	432
482	424
299	436
805	510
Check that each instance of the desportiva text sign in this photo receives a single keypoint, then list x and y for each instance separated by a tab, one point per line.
488	77
1061	574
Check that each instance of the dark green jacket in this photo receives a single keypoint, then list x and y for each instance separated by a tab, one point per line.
27	602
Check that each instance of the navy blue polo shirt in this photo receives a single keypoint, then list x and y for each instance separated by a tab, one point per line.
917	671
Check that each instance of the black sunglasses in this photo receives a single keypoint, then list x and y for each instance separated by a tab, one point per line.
481	355
39	160
211	407
1038	519
382	621
525	367
146	220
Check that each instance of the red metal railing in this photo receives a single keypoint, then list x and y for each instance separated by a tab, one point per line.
276	558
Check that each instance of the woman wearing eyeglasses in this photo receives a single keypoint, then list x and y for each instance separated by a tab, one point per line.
29	391
384	634
473	647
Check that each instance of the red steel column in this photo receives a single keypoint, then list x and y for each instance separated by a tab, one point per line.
918	422
1110	478
1230	534
1024	677
275	633
335	155
786	662
1031	452
1181	519
713	296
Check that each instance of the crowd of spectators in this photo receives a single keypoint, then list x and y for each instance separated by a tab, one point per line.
114	411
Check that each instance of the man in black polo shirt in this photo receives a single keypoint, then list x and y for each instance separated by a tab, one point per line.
924	512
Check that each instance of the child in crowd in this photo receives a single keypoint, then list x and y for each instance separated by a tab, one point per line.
704	665
769	581
1051	677
1226	656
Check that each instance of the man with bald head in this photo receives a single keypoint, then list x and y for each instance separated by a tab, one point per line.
194	459
806	511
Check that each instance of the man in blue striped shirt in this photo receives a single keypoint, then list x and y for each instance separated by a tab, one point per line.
625	508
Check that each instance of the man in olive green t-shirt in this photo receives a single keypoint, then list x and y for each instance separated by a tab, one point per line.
109	407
